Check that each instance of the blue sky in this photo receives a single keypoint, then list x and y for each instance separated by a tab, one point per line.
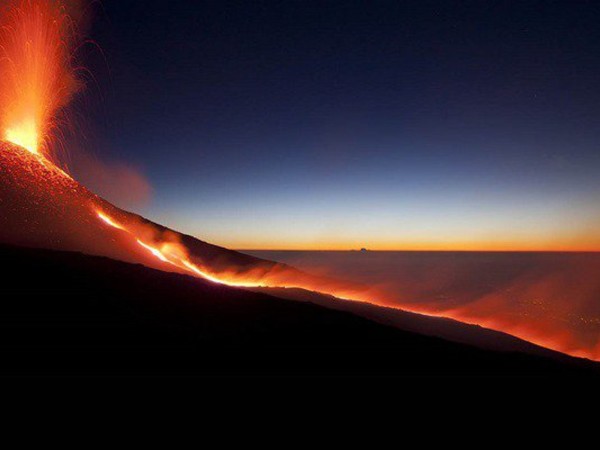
348	124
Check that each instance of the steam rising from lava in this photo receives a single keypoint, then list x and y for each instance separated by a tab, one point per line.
37	74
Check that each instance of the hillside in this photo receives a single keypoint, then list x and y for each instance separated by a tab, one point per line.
88	315
41	207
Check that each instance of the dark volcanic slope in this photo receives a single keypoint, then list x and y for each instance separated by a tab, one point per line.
448	329
43	208
93	315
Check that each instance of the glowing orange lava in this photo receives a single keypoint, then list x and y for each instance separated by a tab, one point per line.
109	221
175	255
37	78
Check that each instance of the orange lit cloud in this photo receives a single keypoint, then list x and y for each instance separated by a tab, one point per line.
117	182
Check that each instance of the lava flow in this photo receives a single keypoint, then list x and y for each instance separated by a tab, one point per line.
168	250
171	253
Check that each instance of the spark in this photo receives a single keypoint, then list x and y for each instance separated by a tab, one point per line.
37	78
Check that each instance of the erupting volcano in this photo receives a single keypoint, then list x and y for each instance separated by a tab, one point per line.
44	207
38	80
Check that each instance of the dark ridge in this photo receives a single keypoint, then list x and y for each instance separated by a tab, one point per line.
70	314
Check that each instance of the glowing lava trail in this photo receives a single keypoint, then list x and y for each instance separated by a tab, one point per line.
37	77
173	254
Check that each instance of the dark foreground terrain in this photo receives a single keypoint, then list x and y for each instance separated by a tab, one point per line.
552	298
70	314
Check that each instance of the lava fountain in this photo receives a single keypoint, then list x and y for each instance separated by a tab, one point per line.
37	75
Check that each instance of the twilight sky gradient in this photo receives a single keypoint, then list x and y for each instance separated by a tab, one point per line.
343	124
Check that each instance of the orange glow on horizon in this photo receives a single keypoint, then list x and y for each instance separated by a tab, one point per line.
463	246
586	239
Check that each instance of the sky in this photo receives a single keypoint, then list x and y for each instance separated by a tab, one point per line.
450	125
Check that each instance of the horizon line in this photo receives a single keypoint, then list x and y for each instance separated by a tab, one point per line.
413	250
